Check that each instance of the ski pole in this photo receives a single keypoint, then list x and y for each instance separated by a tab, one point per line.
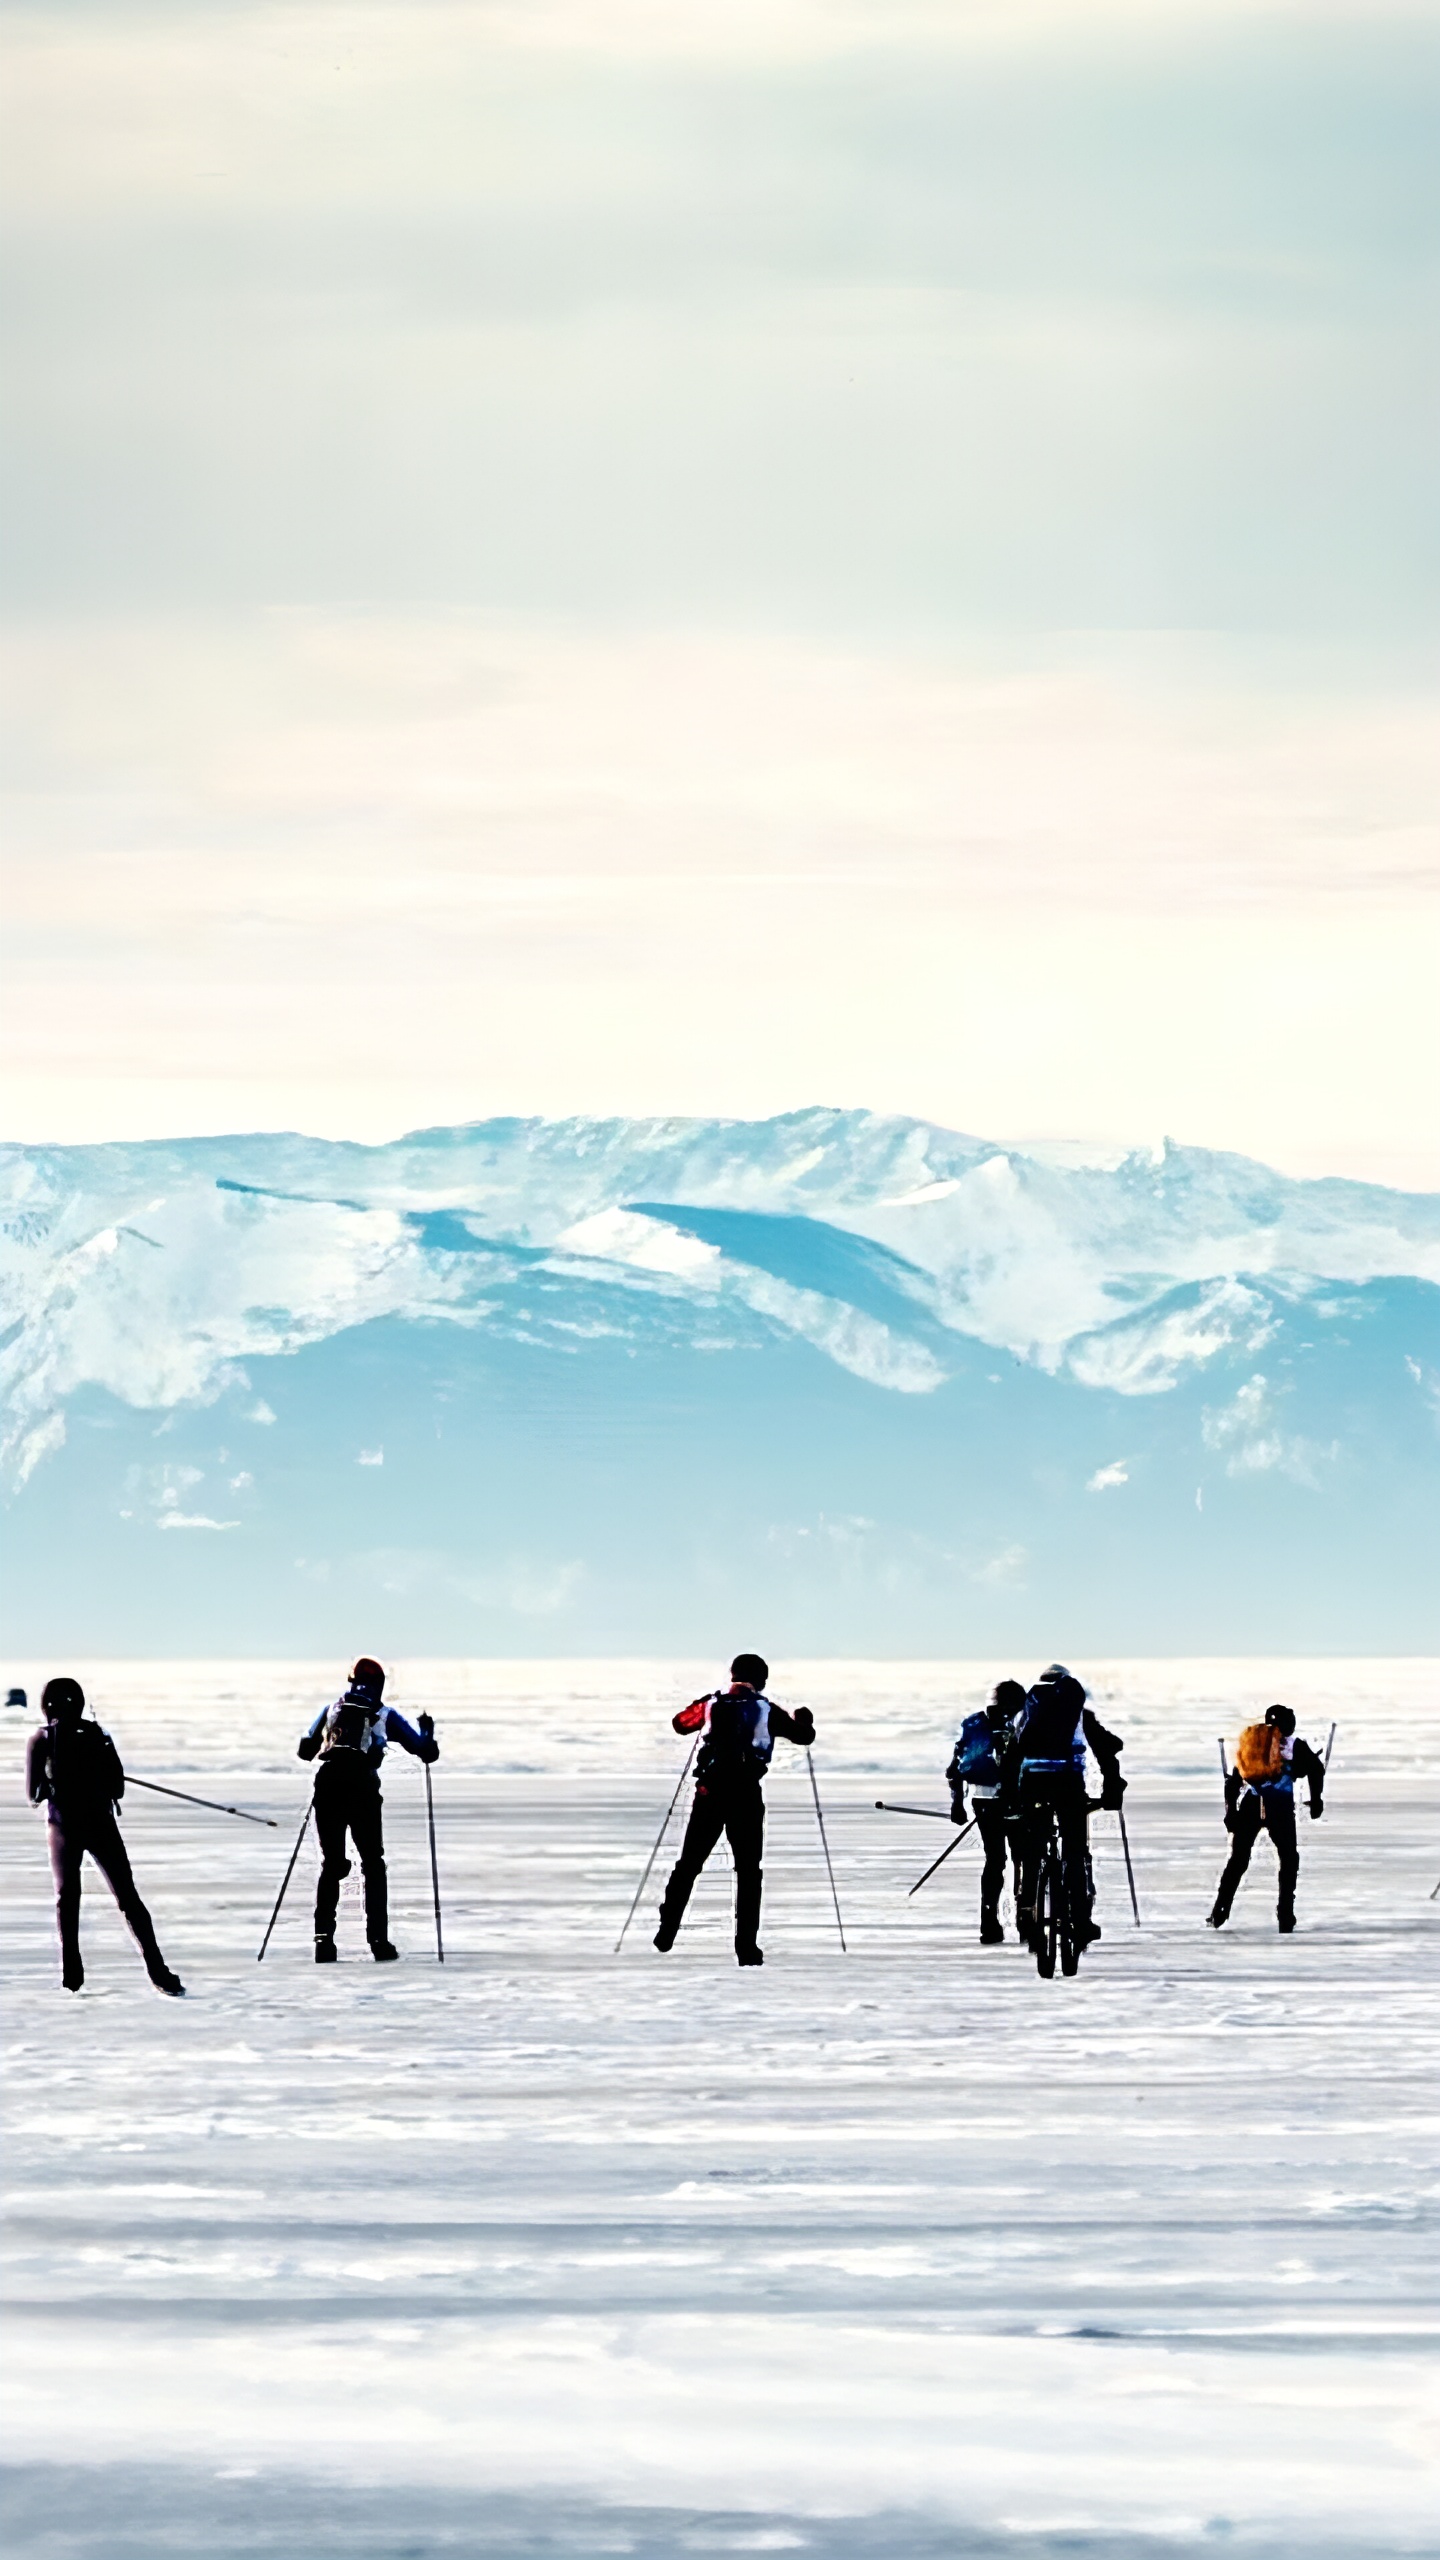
179	1793
434	1869
1329	1747
290	1870
944	1854
1129	1870
926	1811
655	1852
825	1845
1224	1764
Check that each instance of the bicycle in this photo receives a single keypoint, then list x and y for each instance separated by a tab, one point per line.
1061	1924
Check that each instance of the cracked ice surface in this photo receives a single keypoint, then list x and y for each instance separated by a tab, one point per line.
904	2251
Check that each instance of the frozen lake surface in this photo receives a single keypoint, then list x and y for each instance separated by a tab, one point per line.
895	2252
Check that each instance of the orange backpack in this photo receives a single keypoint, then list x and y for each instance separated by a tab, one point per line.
1260	1754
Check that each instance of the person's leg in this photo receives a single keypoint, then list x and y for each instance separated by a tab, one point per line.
1029	1836
367	1830
745	1829
332	1819
107	1848
991	1824
1242	1840
1280	1823
67	1850
1075	1844
707	1821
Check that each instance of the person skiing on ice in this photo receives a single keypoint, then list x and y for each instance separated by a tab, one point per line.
740	1725
75	1771
349	1738
984	1760
1052	1729
1260	1792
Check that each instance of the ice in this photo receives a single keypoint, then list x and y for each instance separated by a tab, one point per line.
896	2252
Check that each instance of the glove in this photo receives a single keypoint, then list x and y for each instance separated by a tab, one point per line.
957	1807
426	1725
429	1750
804	1725
1112	1791
1316	1808
308	1746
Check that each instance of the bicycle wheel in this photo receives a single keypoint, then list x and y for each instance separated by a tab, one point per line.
1047	1912
1072	1906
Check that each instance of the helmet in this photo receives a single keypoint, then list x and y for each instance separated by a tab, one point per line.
62	1701
1056	1671
367	1680
1283	1719
1008	1696
751	1668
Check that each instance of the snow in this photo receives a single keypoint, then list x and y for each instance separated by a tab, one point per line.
899	2251
256	1246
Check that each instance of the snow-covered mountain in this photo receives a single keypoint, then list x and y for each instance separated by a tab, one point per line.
534	1385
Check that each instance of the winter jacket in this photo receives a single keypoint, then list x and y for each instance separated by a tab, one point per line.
1053	1728
1297	1760
740	1729
363	1725
75	1770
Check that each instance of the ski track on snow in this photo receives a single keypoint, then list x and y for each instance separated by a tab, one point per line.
899	2251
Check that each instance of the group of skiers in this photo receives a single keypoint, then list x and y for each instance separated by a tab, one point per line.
1021	1761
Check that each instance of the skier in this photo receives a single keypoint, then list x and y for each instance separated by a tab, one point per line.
740	1725
350	1740
74	1769
1260	1791
1052	1729
984	1760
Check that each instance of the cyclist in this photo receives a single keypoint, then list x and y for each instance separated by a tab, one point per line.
1052	1730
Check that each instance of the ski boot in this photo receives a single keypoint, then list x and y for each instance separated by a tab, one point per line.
325	1948
166	1981
1285	1923
750	1955
991	1933
383	1952
72	1972
1218	1917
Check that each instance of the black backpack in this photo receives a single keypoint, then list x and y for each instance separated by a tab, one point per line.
86	1773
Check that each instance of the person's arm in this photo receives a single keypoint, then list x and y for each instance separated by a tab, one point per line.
114	1768
419	1742
691	1718
956	1785
1234	1786
1107	1748
312	1737
1305	1763
37	1767
797	1728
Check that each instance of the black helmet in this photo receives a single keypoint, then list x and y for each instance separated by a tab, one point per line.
751	1668
62	1701
367	1681
1282	1718
1056	1671
1008	1696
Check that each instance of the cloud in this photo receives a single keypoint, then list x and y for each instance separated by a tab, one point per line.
1246	1431
1116	1473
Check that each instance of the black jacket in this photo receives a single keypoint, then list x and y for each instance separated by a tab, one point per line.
75	1769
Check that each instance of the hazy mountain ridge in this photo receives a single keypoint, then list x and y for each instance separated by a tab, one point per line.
600	1300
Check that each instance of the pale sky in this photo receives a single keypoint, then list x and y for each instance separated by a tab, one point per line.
716	557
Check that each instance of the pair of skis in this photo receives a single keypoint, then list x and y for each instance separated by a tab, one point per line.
665	1825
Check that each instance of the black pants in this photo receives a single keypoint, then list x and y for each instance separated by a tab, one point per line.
997	1833
739	1811
347	1798
1274	1811
71	1836
1064	1789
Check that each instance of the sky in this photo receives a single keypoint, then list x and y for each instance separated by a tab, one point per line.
713	557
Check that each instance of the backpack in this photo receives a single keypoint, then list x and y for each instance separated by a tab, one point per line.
85	1771
1260	1754
1052	1721
975	1759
